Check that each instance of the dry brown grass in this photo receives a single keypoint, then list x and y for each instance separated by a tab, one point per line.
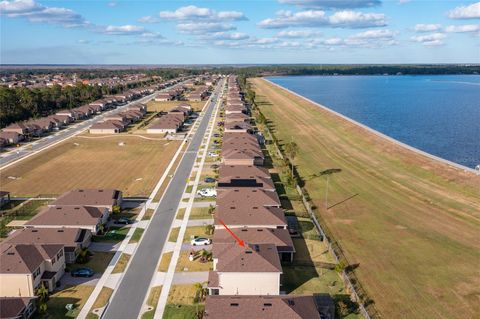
413	229
134	168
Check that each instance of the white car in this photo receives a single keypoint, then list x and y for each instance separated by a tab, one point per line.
207	192
212	154
200	241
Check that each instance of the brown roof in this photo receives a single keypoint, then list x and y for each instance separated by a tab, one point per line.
69	237
246	197
238	125
245	215
279	237
12	307
166	123
88	197
233	117
251	258
261	307
67	216
9	135
25	258
231	175
108	125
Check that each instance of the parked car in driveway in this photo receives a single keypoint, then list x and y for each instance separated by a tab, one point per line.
83	272
207	192
209	180
199	241
212	154
123	221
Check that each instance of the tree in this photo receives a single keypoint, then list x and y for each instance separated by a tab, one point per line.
200	292
205	256
42	292
116	209
291	150
209	229
340	266
83	256
211	209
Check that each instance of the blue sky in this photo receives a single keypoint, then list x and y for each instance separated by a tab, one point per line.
249	31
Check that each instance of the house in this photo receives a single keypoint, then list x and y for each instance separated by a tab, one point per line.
179	113
44	123
261	307
244	176
17	307
71	114
232	109
107	127
65	119
237	117
101	198
163	96
251	270
4	198
241	149
252	196
243	215
84	217
120	117
73	239
19	128
238	127
142	108
11	137
165	124
279	237
25	266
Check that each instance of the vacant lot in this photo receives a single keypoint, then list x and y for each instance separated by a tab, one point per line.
131	164
153	106
410	224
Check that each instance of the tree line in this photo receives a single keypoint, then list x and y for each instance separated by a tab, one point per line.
20	104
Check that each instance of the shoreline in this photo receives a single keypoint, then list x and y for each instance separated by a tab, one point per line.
379	134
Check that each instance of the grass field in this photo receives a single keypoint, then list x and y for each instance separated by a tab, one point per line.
410	224
153	106
76	295
100	162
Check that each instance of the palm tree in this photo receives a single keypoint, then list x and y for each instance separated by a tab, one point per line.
291	150
83	255
211	209
42	292
200	292
209	229
205	255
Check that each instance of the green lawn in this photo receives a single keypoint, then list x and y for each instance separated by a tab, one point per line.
137	234
182	311
113	235
76	295
200	213
98	262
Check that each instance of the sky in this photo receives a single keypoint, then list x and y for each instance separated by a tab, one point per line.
239	32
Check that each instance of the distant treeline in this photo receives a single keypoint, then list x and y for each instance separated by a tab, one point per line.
415	69
19	104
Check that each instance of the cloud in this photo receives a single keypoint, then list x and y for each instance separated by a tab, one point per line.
295	34
81	41
463	28
465	12
227	36
112	4
37	13
367	39
427	27
318	18
193	13
204	27
403	1
334	4
124	30
433	39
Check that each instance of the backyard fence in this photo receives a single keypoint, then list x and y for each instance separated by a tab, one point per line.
357	292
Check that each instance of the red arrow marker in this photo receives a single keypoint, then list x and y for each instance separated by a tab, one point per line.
239	241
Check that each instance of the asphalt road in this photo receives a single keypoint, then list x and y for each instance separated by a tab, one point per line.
130	294
69	131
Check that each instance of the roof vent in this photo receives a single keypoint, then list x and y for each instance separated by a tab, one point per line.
232	207
257	248
255	207
248	252
259	229
244	229
291	302
267	304
234	304
11	253
80	190
34	230
60	230
77	208
100	190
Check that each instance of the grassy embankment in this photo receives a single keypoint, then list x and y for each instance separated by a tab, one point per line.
408	224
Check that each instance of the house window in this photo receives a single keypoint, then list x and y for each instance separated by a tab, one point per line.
60	254
53	261
36	273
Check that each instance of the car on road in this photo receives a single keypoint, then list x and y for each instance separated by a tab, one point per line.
123	221
207	192
200	241
83	272
209	180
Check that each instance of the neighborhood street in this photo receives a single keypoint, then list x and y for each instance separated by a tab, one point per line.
27	150
128	298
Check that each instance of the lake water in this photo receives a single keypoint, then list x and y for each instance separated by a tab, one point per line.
437	114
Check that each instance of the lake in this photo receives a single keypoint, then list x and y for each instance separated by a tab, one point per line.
437	114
